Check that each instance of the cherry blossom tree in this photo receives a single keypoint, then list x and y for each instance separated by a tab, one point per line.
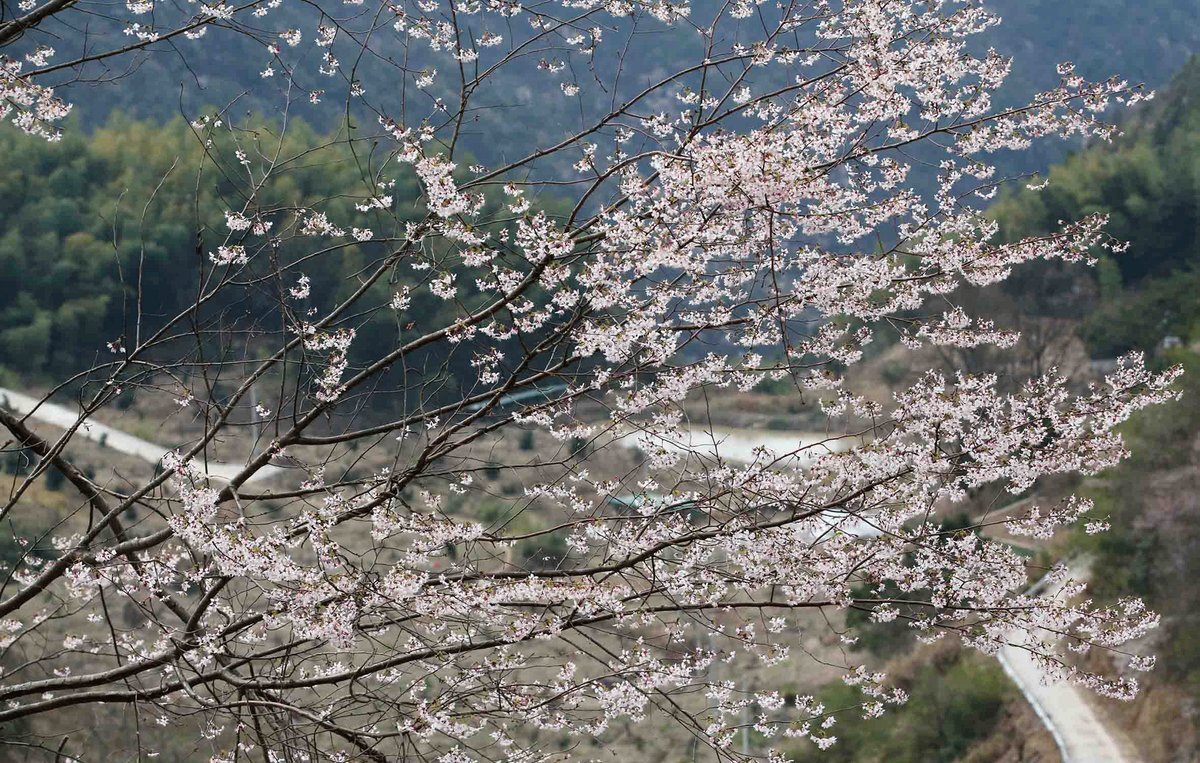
757	213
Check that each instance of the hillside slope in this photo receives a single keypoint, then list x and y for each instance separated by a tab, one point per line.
1139	40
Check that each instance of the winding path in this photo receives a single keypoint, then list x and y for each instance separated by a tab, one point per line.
64	418
1080	733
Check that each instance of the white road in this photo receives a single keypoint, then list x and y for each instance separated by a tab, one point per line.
63	418
1081	734
740	445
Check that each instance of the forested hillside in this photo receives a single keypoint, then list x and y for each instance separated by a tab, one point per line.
131	213
1148	184
1141	41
